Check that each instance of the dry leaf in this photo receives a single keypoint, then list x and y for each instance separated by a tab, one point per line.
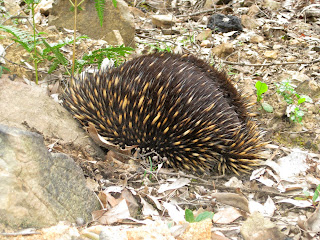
116	214
181	182
232	199
227	215
148	210
175	212
313	223
267	209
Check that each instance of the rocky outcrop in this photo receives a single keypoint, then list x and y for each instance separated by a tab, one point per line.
39	188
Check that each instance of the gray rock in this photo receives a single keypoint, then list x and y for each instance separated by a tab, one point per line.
224	23
30	108
12	7
258	227
163	21
119	18
39	188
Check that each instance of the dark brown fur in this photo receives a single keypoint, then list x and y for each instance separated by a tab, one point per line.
177	105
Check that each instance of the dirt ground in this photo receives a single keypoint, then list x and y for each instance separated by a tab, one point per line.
279	42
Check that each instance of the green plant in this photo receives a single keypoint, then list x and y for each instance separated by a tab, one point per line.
287	90
160	47
145	172
117	54
32	5
308	195
27	41
50	52
316	194
191	39
230	71
3	68
294	100
261	89
294	113
30	42
99	5
189	216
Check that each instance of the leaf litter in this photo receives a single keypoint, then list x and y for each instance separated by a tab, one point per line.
278	199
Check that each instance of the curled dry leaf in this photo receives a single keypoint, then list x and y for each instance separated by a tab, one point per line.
267	209
156	202
181	182
227	215
93	133
232	199
313	223
175	212
116	214
297	203
148	209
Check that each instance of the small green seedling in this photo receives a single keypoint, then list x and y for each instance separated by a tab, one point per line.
189	40
287	90
308	196
202	216
316	194
2	68
160	47
261	89
294	100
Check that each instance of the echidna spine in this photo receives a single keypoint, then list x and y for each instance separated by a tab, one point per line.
179	106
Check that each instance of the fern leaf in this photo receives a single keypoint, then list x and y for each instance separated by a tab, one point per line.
100	5
56	51
17	33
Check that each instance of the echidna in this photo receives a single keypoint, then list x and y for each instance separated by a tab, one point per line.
177	105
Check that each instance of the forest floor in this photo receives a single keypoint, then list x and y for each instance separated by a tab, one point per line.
278	47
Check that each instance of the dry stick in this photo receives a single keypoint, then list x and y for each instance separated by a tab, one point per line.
19	234
198	13
159	40
245	189
74	39
218	187
181	174
269	64
156	40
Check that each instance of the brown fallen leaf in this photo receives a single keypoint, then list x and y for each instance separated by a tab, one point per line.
313	222
93	133
227	215
116	214
232	199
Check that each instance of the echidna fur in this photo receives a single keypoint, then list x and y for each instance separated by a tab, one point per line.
177	105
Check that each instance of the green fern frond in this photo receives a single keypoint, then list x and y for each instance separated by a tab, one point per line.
17	33
56	51
117	54
100	5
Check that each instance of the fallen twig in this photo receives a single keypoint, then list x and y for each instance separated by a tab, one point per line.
270	64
